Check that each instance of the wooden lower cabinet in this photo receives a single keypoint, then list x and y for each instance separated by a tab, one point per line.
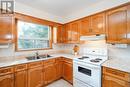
115	78
37	74
35	77
109	81
49	73
68	72
7	80
21	79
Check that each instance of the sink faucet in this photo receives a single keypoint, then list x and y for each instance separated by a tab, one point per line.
36	54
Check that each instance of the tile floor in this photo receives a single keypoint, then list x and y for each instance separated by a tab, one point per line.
60	83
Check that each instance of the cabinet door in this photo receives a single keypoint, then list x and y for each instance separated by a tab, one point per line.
117	25
35	77
109	81
85	26
49	73
75	32
68	72
68	33
59	70
98	23
21	79
61	34
6	29
7	81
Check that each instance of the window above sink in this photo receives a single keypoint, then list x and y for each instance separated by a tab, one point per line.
31	36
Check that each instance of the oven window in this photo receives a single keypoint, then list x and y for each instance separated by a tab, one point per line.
84	71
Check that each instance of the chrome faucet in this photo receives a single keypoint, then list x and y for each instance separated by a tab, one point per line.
36	55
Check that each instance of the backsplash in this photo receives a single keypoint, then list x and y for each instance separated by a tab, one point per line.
113	51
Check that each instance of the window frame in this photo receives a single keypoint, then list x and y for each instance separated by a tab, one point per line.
16	36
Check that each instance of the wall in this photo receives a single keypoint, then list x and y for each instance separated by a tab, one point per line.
113	51
95	8
24	9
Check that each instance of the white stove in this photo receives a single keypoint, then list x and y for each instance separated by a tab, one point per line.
87	69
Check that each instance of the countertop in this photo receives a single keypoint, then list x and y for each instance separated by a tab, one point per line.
24	60
118	63
115	63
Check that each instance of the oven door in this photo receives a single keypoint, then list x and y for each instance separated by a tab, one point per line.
88	73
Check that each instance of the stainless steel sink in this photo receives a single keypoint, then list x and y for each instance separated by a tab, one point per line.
38	57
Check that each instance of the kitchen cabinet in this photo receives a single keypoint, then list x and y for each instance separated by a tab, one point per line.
61	34
116	25
93	25
20	76
115	78
6	28
68	70
6	77
85	26
58	68
72	32
98	23
49	71
7	80
21	79
35	74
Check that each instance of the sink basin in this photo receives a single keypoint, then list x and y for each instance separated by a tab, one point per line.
38	57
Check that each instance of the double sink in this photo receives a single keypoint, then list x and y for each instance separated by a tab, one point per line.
38	57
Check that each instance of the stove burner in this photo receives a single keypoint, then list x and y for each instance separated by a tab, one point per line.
83	57
95	61
98	59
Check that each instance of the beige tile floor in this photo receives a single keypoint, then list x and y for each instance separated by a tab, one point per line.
60	83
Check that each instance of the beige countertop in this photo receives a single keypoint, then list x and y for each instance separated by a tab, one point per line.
23	59
118	63
115	63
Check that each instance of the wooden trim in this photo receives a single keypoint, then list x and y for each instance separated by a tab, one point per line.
31	19
16	39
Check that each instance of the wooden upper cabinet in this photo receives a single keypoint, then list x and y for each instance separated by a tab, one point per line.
98	23
72	32
61	34
68	32
85	26
93	25
117	25
6	29
75	32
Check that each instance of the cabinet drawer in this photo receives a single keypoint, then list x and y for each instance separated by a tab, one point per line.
116	73
6	70
49	61
35	64
67	60
20	67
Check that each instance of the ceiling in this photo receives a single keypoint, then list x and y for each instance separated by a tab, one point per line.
60	8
